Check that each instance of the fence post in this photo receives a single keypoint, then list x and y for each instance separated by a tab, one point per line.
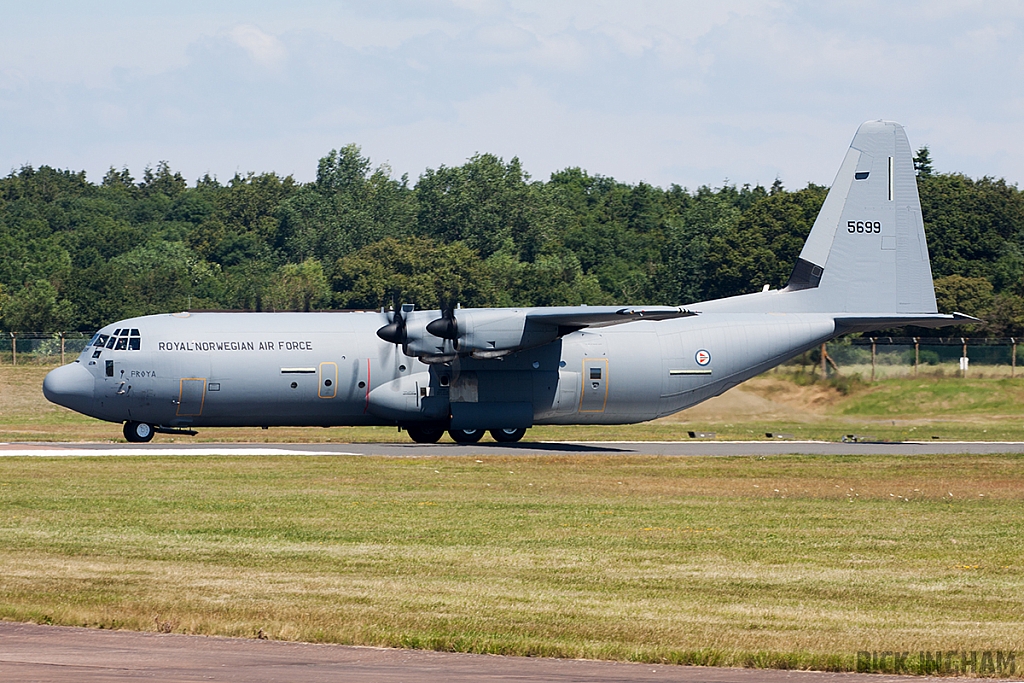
62	348
1013	357
14	348
873	359
917	354
824	360
963	358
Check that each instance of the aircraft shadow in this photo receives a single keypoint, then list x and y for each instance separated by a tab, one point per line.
554	447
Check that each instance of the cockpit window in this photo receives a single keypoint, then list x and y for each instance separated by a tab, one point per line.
123	339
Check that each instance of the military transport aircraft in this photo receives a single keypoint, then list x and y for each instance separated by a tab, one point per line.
466	370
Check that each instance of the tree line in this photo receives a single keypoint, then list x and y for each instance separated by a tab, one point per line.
75	255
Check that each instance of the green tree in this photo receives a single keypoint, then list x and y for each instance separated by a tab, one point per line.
37	307
975	227
414	270
484	203
346	208
299	287
923	162
970	295
764	245
682	275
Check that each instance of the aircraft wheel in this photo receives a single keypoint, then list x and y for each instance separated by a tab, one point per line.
424	434
510	435
138	432
466	435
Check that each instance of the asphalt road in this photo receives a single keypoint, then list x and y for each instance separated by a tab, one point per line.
45	654
408	449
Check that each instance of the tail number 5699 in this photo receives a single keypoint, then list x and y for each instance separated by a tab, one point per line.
863	226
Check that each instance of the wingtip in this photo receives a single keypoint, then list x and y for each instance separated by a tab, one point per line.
964	318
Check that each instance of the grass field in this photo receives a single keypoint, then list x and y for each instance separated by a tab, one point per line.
946	407
794	562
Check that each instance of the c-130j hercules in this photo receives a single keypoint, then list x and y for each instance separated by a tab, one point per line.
864	266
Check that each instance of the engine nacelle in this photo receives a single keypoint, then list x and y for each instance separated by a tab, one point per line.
420	343
440	337
493	333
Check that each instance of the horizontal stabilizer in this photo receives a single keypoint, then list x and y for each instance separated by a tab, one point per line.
880	322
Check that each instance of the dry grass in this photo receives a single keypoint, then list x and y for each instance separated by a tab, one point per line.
788	561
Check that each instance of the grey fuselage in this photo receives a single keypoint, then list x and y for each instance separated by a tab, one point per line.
330	369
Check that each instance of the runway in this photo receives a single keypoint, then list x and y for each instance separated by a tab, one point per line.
46	654
408	449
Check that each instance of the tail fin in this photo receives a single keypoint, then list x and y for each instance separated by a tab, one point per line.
867	253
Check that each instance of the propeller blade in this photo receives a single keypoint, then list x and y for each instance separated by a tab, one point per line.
445	327
394	331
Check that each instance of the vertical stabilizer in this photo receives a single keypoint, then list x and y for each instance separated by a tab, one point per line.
867	252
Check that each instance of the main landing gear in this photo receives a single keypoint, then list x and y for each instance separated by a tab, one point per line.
433	434
466	435
425	434
138	432
510	435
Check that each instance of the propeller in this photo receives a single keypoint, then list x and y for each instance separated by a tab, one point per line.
394	331
446	327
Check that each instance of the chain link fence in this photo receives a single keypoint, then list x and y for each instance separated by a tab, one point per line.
873	358
39	348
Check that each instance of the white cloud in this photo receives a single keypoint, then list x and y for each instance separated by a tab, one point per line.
262	47
665	91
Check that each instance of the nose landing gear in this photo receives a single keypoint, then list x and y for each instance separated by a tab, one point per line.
138	432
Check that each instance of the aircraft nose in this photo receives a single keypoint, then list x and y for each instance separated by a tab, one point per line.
70	386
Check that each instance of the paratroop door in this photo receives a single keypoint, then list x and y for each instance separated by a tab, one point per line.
595	385
328	380
191	396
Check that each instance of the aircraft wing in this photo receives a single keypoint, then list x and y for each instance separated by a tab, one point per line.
487	333
578	317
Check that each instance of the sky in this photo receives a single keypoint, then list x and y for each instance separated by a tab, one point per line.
691	93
